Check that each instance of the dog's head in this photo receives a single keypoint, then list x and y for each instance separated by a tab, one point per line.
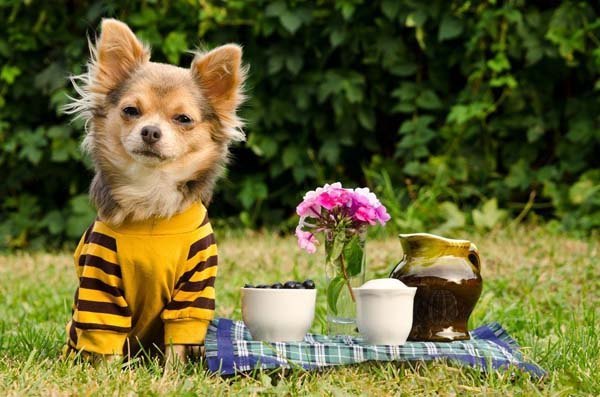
151	118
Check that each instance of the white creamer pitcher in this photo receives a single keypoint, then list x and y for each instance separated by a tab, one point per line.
384	311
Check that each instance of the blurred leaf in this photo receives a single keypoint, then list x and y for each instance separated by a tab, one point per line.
428	99
252	191
9	73
450	28
489	215
81	216
390	8
294	63
174	45
454	218
290	21
582	190
499	63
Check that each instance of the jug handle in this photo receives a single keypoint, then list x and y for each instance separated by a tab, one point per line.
474	256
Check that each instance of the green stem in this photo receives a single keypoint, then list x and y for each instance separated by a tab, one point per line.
347	278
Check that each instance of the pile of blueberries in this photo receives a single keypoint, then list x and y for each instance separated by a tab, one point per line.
306	284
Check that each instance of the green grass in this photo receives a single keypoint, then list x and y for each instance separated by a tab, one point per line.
542	287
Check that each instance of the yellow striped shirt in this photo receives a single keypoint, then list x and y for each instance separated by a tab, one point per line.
144	284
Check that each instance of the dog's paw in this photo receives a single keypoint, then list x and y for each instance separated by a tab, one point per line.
180	354
103	359
175	355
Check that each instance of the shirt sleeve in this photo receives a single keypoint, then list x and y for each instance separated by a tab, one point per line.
101	316
187	315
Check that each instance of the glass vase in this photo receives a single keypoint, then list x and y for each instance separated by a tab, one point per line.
345	270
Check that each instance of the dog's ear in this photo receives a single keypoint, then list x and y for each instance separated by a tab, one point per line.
118	53
221	76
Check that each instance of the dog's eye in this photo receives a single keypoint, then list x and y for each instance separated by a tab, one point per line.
131	111
183	119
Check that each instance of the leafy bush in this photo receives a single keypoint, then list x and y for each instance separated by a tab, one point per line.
451	110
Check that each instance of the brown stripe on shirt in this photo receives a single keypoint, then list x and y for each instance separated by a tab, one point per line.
209	262
104	265
205	220
200	302
73	333
196	286
201	244
103	327
98	285
103	240
103	307
75	299
86	238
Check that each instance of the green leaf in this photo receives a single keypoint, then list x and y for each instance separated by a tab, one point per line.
290	156
330	151
404	107
54	221
390	8
582	190
366	118
504	81
252	191
81	215
353	255
333	292
275	64
404	68
174	45
455	219
450	28
489	215
276	8
336	37
294	63
428	99
337	246
519	175
499	63
9	73
290	21
416	19
461	114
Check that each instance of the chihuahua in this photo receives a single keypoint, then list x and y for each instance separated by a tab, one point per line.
158	136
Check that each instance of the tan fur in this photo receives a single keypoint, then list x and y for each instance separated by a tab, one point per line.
184	164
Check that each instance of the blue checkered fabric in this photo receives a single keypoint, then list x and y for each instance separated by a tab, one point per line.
230	349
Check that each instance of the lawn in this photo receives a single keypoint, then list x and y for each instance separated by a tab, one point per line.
542	287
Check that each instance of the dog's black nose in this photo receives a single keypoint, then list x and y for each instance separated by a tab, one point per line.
151	134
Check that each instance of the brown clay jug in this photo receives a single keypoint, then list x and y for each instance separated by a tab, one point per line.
447	275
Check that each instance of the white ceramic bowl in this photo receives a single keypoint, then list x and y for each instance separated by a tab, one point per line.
384	311
278	315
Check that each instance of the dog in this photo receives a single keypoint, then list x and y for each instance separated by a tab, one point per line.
159	138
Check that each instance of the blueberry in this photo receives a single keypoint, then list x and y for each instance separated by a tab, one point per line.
298	285
277	286
289	285
248	286
262	286
309	284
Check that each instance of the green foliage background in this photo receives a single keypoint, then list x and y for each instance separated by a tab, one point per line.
457	113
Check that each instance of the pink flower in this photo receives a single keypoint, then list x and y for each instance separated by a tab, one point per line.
382	215
309	208
366	196
366	214
334	198
332	205
306	240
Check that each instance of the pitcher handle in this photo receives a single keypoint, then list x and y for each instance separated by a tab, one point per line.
474	256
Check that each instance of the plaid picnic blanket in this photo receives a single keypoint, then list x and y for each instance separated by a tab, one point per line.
230	349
